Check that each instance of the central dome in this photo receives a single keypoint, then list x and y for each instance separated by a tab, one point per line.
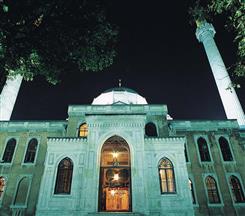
119	95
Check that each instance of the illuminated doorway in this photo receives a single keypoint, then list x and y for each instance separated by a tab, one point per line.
115	176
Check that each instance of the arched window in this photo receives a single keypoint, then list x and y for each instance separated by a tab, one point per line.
150	130
83	130
166	174
225	149
203	149
213	193
64	177
31	151
9	151
192	191
2	186
22	191
237	191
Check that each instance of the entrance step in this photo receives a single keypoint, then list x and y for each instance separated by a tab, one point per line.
115	214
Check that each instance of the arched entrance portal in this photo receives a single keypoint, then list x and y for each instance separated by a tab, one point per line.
115	176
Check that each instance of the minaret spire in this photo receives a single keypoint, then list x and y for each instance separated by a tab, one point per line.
205	34
8	96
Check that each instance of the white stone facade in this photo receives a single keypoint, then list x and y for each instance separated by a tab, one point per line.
127	122
123	159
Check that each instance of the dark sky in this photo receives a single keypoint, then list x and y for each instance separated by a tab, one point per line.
158	56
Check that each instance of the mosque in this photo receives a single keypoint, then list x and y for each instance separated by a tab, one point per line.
123	156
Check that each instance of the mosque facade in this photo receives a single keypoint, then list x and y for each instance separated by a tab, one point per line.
121	156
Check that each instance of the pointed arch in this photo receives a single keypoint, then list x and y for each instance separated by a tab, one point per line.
212	190
112	145
31	151
166	176
237	191
9	151
22	191
115	176
64	177
203	149
83	130
225	149
150	129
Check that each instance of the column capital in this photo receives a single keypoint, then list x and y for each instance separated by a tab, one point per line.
204	30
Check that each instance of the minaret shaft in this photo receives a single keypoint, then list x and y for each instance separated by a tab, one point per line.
233	109
8	97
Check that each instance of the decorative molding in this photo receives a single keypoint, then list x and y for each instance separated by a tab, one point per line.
204	125
116	124
205	31
66	139
32	126
78	110
167	139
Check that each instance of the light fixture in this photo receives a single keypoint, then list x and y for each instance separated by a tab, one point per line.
114	154
116	176
113	192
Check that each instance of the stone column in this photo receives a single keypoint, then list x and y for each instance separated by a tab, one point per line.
8	97
205	34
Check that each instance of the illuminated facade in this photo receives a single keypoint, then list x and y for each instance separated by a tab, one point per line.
121	156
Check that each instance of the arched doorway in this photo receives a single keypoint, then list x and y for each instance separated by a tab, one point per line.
115	176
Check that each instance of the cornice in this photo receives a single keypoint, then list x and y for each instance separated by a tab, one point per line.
116	124
203	125
76	110
66	139
165	139
32	125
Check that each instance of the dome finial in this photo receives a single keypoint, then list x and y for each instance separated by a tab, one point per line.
119	82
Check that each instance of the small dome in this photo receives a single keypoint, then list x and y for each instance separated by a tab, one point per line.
119	95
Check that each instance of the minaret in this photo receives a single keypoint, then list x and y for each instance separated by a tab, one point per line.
205	33
8	97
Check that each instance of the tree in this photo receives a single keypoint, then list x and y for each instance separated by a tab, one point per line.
49	38
234	11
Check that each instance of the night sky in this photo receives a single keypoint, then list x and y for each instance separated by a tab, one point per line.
158	56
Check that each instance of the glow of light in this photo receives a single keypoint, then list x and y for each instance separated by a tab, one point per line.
113	192
114	154
116	177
